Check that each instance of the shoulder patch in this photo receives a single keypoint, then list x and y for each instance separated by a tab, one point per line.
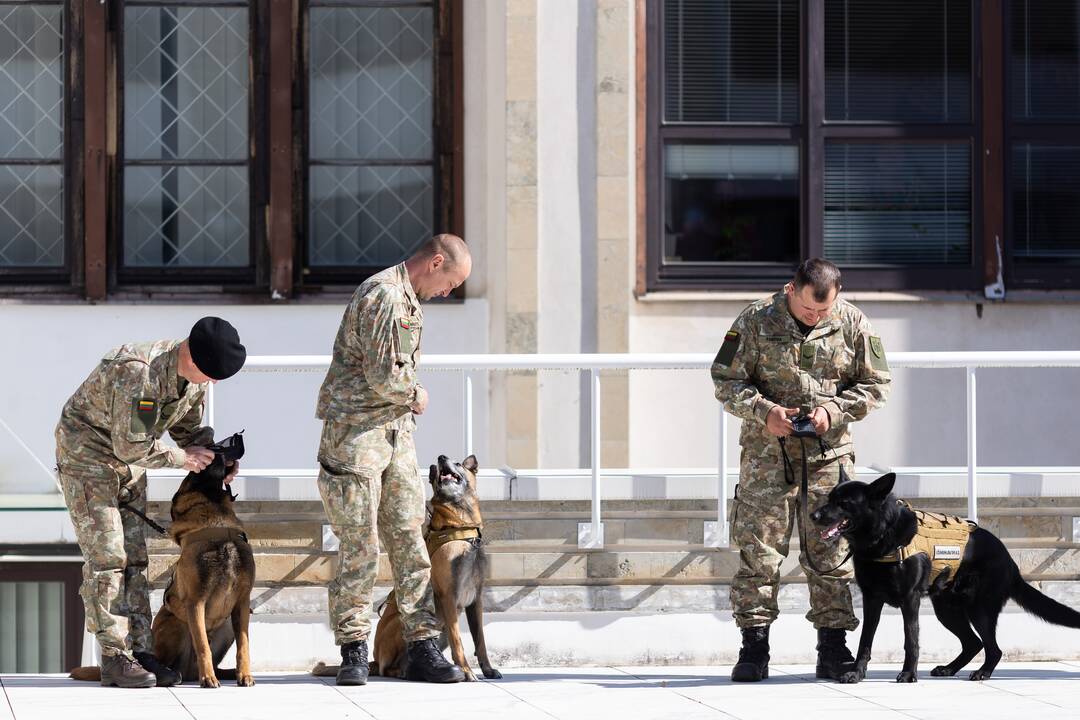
144	415
877	355
728	349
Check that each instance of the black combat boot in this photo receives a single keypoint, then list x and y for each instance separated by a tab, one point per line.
427	664
753	662
833	657
354	664
166	676
125	672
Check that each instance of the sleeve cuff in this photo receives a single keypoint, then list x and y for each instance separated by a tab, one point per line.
836	415
762	409
177	458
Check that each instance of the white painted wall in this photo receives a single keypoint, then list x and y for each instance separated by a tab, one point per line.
566	174
50	348
1024	416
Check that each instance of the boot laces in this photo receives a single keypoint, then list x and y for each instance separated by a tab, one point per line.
427	650
356	655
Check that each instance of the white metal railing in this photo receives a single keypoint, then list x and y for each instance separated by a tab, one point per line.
591	535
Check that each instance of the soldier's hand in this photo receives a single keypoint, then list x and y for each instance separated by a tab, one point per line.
820	418
777	421
420	403
233	469
197	458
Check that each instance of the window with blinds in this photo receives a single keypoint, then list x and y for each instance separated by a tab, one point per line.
898	62
731	61
897	204
1045	186
1044	60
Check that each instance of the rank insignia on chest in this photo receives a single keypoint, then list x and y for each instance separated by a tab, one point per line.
806	359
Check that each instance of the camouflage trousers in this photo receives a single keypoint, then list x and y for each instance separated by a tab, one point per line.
372	492
765	512
115	590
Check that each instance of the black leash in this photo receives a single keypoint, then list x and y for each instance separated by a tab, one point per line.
789	472
148	521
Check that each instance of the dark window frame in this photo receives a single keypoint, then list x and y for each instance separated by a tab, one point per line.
68	573
92	254
1018	275
812	132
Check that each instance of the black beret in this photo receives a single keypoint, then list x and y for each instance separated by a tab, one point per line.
216	349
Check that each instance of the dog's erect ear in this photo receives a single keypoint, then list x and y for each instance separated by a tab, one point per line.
880	488
471	464
433	473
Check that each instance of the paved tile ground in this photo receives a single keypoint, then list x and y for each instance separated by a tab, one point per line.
1018	691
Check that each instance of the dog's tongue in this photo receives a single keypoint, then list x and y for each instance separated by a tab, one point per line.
832	531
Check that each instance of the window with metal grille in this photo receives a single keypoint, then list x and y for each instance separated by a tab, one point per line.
186	176
33	244
372	176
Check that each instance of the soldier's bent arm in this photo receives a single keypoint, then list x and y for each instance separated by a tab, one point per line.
733	373
871	379
189	430
134	413
389	371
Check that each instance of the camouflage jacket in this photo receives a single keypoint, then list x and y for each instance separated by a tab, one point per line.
766	360
372	377
118	415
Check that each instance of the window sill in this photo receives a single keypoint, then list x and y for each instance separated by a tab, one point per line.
857	296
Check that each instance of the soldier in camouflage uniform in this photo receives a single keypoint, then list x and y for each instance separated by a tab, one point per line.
109	432
368	476
801	352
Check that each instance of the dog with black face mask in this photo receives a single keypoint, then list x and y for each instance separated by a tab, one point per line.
207	604
458	567
902	554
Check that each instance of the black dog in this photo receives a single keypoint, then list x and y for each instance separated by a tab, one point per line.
876	525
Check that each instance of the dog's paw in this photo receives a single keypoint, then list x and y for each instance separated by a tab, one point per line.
907	676
245	681
851	677
492	674
943	671
470	676
980	674
209	681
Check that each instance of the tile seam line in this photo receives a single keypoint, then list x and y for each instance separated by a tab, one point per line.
676	692
835	687
7	699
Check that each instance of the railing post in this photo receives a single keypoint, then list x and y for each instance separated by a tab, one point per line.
591	534
468	413
717	533
972	460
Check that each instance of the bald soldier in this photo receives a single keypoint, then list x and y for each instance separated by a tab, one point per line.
802	351
368	475
109	431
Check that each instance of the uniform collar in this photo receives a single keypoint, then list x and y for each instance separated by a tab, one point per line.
403	278
172	368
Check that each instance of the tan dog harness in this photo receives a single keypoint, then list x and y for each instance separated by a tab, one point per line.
940	537
437	538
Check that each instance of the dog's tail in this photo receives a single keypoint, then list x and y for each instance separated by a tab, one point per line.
324	670
1042	606
90	674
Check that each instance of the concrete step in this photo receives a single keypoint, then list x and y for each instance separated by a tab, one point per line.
609	566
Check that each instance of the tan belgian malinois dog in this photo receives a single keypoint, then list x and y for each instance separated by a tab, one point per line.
208	600
458	567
